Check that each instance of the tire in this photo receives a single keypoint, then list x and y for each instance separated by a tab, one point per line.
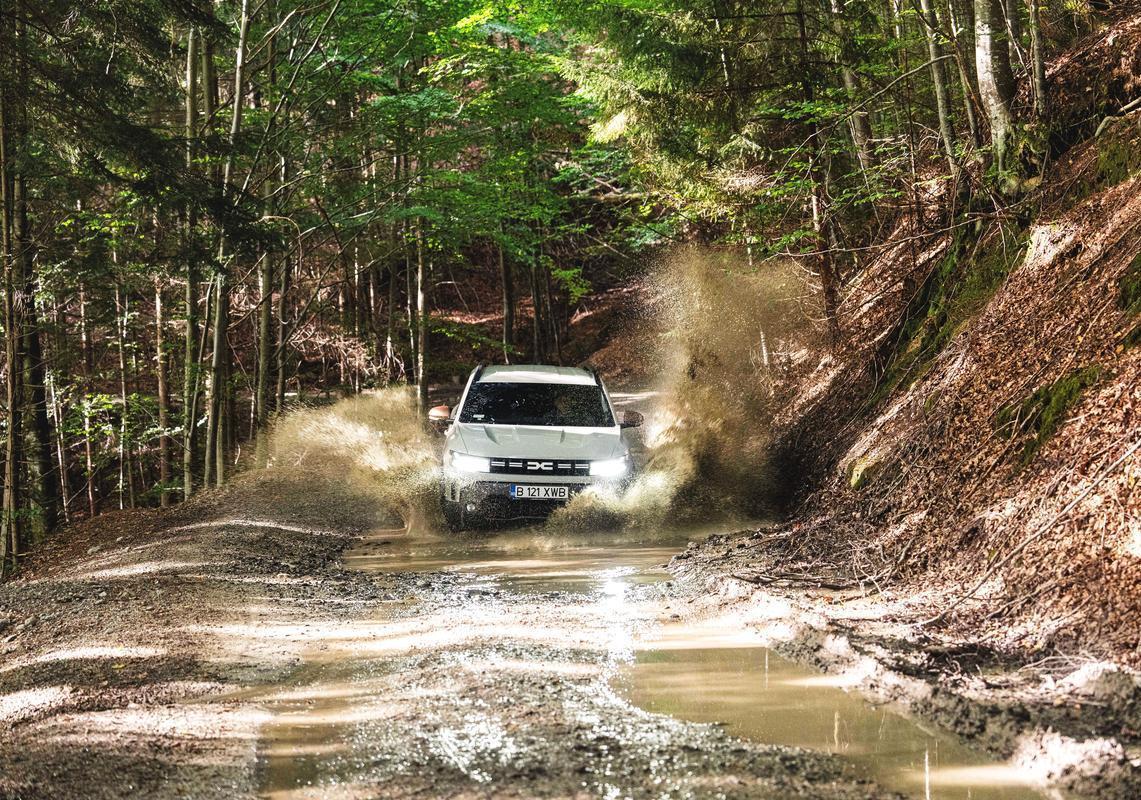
453	515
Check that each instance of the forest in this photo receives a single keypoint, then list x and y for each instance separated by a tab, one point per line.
868	271
215	209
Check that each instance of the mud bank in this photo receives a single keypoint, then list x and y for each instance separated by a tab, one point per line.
1070	723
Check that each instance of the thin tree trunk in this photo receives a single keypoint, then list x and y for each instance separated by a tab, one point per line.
507	279
126	479
191	365
88	373
46	475
996	81
963	41
163	400
826	265
422	268
281	351
859	121
10	522
219	429
939	79
1038	63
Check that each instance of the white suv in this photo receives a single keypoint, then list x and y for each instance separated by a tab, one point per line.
525	439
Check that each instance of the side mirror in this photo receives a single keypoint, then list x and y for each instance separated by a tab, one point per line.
631	419
439	417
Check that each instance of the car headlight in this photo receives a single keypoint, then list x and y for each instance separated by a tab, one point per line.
610	468
462	462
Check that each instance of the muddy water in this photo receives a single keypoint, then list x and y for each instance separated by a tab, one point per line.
520	663
706	674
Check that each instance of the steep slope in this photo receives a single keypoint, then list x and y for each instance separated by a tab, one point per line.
980	433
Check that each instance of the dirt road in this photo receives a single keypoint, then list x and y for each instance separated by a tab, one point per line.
289	638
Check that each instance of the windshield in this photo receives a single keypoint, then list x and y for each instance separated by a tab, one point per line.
553	404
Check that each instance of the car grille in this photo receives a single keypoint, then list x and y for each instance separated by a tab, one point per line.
539	466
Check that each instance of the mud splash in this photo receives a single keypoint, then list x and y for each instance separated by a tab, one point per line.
727	341
374	441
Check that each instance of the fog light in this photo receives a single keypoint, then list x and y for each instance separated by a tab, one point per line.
470	508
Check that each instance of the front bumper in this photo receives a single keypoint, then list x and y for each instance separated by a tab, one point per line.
492	499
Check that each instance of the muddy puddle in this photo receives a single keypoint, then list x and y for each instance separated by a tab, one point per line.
504	644
713	674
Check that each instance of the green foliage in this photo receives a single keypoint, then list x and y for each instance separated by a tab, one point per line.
1039	415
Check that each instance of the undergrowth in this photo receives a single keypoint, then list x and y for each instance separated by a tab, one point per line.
967	277
1040	414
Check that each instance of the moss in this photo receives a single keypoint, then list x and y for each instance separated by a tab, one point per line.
862	471
1132	339
1040	414
1118	159
952	294
1129	288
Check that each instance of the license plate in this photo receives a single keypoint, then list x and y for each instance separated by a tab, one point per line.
542	492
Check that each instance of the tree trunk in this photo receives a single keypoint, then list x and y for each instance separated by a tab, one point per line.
859	121
422	268
163	400
10	521
191	366
939	79
219	428
963	42
282	348
826	264
507	279
996	81
126	479
1038	63
88	372
46	475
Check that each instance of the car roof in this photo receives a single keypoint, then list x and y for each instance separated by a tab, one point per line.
537	373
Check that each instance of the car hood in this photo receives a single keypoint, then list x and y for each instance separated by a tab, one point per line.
530	441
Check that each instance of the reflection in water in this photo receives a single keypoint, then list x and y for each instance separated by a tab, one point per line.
507	604
761	696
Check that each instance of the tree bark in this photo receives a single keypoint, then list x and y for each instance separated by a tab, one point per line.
422	268
507	279
962	40
826	264
859	122
939	79
996	80
10	520
1038	63
219	430
46	475
126	479
163	400
191	366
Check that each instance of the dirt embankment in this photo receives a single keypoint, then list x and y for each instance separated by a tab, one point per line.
979	432
122	639
969	464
